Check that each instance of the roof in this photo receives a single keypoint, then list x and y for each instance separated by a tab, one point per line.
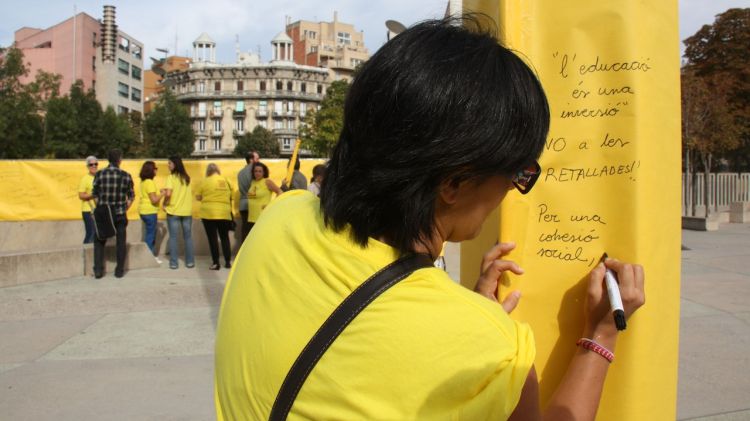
204	39
281	37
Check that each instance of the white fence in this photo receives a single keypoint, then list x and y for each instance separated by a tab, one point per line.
723	189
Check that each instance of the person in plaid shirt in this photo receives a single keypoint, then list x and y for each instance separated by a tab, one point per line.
113	188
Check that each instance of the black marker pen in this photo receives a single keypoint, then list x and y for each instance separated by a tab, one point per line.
615	301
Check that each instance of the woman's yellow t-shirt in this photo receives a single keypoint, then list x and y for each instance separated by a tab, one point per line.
216	194
86	186
145	207
258	197
427	348
181	201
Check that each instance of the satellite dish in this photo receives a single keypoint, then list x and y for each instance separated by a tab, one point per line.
395	26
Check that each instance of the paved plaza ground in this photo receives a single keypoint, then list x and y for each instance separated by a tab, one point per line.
141	348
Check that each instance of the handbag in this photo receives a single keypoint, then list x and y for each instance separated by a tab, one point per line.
104	222
335	324
232	225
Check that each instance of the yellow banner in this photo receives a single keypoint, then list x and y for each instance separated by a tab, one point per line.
48	189
610	182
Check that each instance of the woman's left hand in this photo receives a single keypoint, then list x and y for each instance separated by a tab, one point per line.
492	269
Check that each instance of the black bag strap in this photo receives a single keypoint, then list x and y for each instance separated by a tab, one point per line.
335	324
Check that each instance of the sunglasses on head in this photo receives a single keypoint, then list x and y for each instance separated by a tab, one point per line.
524	179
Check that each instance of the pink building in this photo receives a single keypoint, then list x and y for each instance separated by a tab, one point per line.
96	52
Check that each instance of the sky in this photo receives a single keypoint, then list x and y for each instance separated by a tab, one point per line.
177	23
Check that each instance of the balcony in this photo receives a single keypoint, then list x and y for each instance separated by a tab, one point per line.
238	133
217	133
261	114
245	95
285	132
198	114
217	112
239	112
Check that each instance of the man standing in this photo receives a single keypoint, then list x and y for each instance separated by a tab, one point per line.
85	187
244	178
113	192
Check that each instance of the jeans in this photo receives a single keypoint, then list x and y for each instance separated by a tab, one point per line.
121	224
88	225
149	223
173	226
220	226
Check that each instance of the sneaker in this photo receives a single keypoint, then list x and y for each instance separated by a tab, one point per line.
158	260
171	266
215	266
190	265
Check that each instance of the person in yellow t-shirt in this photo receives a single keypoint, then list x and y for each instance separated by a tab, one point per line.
178	203
148	207
85	187
259	193
215	195
440	124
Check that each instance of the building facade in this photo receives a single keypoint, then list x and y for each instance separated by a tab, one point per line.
226	101
152	80
334	45
96	52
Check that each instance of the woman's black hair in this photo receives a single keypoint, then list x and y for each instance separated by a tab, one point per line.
179	169
148	170
266	173
438	102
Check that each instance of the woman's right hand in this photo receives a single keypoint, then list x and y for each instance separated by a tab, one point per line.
599	323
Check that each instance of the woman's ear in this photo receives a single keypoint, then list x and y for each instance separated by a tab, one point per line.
448	190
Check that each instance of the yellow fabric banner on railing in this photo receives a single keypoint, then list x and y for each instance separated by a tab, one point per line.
610	182
39	190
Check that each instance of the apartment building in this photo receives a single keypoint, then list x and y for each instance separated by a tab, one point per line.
226	101
334	45
152	79
96	52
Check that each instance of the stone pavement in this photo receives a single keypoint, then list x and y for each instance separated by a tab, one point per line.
141	347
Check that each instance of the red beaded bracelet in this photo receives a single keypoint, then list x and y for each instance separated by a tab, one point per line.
591	345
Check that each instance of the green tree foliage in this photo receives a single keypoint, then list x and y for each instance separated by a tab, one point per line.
260	140
717	78
322	128
118	132
21	128
167	129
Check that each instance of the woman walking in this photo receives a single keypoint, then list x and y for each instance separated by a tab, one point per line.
149	204
215	195
178	203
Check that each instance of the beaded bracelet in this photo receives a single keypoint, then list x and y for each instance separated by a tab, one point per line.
591	345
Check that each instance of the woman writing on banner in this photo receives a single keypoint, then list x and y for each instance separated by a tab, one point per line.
178	203
438	126
215	195
148	207
259	193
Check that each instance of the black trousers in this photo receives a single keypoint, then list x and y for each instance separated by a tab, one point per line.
121	224
245	224
220	227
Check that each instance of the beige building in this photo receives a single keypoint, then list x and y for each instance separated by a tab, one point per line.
333	45
226	101
96	52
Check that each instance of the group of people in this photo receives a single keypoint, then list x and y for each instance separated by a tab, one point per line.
111	189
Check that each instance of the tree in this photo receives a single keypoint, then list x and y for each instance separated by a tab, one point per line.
118	132
167	129
261	140
322	128
20	120
719	58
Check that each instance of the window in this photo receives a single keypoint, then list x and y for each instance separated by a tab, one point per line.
123	90
239	106
135	94
290	108
124	44
302	109
217	144
202	86
201	109
286	144
279	85
201	125
314	49
122	110
136	52
217	86
263	123
240	85
320	89
309	34
262	85
239	125
355	62
192	86
217	107
278	108
93	63
303	87
289	86
263	106
278	124
343	38
202	144
123	66
135	71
